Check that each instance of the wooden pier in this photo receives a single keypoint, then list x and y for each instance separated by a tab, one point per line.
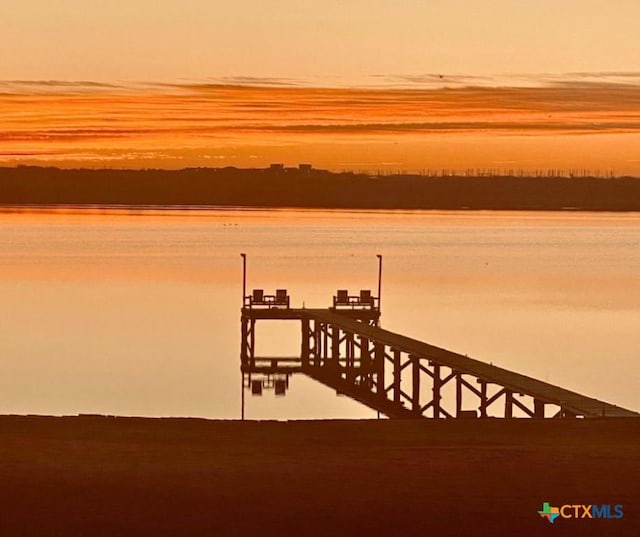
343	347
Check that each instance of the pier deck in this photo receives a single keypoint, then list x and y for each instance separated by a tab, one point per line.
403	377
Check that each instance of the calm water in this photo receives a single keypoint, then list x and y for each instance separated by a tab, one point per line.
138	313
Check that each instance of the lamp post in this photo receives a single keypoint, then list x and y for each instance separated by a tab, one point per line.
244	294
379	256
244	277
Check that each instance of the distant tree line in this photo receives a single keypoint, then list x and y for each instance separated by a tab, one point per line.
308	187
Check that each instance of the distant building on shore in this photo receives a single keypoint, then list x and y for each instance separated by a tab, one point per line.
302	168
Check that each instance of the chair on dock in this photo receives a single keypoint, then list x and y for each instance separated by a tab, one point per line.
257	297
365	297
282	298
342	298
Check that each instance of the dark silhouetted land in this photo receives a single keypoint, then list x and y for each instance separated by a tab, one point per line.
306	187
121	476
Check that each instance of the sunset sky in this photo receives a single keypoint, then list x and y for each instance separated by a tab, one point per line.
352	84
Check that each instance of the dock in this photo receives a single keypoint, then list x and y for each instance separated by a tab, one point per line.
344	348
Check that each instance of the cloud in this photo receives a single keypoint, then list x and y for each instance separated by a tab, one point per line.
221	83
258	81
585	80
604	74
135	118
60	83
444	80
58	86
433	80
460	127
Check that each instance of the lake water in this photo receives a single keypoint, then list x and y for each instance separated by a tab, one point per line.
137	312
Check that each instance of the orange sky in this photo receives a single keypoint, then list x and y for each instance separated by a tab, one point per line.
575	124
361	84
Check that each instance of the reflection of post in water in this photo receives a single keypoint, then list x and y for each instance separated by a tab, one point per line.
343	347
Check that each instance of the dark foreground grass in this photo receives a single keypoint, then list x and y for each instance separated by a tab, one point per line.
98	476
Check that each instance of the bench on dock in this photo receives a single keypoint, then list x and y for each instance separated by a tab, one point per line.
258	299
343	299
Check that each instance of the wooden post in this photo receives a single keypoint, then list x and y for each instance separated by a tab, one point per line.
397	376
350	355
436	390
317	340
335	345
325	348
244	277
244	351
415	395
252	344
379	288
242	395
306	336
379	367
508	404
483	399
365	355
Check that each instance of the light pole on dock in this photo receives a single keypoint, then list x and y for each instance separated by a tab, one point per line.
379	256
244	276
244	294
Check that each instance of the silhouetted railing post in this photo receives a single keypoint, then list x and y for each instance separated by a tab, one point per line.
436	390
415	395
306	336
397	376
335	345
508	404
379	367
483	398
377	321
244	352
458	394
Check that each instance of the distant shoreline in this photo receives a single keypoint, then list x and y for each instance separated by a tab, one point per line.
149	209
307	188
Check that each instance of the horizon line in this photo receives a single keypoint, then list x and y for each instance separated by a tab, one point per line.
305	167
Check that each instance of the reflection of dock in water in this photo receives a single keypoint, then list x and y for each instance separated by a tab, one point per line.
344	348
